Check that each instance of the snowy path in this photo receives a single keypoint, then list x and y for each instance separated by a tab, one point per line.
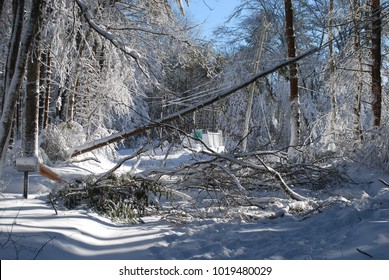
30	229
31	225
353	225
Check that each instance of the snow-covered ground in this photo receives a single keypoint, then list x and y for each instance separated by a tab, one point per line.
353	223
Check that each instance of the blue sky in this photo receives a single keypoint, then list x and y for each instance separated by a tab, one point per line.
210	13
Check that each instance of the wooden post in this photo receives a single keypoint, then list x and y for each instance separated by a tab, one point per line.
25	186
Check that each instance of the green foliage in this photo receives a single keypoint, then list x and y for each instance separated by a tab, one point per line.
119	197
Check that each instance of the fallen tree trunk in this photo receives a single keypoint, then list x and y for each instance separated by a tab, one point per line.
50	174
114	138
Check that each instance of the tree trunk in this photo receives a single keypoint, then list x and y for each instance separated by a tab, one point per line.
47	92
31	104
12	93
1	6
359	82
42	87
18	12
376	56
332	66
250	98
293	79
30	122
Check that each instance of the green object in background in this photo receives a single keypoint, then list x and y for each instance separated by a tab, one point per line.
198	134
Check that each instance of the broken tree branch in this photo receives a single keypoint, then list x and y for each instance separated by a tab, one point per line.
283	184
383	182
152	124
364	253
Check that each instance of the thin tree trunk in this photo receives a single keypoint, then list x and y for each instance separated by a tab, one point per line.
42	87
71	99
1	6
359	82
376	56
293	79
47	92
332	66
250	98
17	27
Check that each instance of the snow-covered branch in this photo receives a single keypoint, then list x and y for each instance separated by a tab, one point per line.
175	116
110	36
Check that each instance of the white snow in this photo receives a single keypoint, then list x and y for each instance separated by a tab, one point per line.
353	223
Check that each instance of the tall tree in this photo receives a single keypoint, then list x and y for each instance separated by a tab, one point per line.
12	93
377	62
1	6
293	78
250	96
356	15
31	104
332	64
18	13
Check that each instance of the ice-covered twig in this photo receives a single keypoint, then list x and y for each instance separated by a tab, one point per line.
234	178
136	153
111	37
283	184
364	253
383	182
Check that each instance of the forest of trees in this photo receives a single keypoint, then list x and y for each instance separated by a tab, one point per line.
308	78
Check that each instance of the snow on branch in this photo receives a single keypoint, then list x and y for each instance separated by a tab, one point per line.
110	36
284	186
151	31
87	147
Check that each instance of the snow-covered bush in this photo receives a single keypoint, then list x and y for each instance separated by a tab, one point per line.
56	140
374	151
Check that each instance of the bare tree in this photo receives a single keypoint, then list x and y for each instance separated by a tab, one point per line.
252	89
357	106
293	78
377	61
332	64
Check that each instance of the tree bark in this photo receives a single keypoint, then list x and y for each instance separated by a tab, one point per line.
332	65
47	92
42	87
30	127
377	62
293	78
1	6
12	93
17	26
31	104
357	106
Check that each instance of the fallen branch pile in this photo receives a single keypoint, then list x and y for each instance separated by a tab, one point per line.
119	197
210	180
